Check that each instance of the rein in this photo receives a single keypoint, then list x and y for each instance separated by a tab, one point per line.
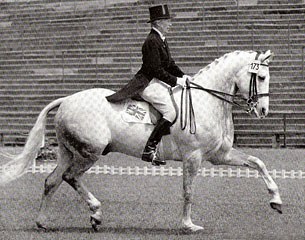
189	103
252	101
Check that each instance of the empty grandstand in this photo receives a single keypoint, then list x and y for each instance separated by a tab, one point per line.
53	48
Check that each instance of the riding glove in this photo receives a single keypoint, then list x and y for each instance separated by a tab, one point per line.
182	81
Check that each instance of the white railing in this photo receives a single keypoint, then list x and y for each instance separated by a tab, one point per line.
171	171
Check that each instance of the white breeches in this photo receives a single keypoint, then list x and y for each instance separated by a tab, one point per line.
158	95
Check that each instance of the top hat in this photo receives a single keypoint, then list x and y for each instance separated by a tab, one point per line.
158	12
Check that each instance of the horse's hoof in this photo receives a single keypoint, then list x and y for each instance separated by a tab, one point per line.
277	207
41	227
192	229
94	223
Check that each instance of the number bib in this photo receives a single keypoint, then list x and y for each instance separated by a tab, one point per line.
254	67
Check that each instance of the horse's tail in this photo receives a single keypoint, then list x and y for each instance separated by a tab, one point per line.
18	164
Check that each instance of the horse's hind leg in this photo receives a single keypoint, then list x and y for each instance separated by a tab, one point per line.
72	176
237	158
52	183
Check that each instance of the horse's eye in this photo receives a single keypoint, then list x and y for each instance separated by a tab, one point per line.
261	78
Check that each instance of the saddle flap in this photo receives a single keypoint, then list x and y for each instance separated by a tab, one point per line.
139	112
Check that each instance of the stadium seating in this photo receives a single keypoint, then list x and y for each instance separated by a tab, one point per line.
54	48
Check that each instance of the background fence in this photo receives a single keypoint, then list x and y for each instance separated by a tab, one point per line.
163	171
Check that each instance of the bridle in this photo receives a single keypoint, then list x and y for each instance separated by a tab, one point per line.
252	100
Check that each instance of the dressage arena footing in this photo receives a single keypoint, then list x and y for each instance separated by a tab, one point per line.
170	171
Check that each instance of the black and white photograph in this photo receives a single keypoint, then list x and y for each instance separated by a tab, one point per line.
151	119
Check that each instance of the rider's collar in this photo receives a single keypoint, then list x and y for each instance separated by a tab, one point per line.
160	34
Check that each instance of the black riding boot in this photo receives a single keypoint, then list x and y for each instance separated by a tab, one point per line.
150	150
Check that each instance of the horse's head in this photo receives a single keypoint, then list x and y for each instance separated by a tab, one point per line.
252	81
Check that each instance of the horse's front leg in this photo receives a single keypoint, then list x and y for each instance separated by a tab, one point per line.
237	158
191	166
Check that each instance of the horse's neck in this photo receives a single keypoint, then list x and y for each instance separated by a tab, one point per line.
218	75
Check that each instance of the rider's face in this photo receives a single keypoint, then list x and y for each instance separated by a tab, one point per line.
164	25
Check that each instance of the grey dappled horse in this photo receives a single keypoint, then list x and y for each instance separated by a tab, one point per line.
87	126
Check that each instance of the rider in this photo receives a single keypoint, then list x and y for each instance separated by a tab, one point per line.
152	82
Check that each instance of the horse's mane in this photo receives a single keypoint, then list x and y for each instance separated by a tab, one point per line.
219	60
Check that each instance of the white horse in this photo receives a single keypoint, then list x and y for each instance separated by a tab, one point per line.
88	126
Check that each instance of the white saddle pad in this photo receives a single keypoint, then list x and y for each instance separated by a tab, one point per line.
136	112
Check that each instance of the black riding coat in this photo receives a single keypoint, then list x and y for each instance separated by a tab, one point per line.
157	63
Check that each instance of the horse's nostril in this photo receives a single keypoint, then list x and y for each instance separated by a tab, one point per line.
264	111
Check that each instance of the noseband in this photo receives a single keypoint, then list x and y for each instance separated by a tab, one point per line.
252	101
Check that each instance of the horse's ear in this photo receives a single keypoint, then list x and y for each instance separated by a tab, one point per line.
267	57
